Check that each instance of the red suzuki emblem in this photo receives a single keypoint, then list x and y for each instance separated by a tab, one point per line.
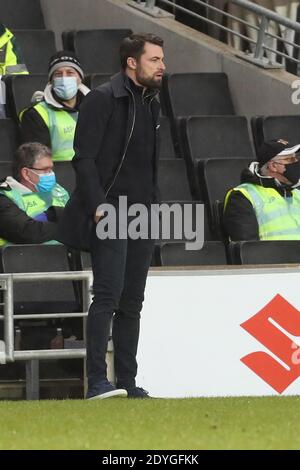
264	326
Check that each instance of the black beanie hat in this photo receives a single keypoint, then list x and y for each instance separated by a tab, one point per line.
273	148
64	59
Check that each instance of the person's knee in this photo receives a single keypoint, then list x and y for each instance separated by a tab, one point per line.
104	303
130	309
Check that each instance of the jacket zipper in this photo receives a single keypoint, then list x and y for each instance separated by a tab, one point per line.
126	147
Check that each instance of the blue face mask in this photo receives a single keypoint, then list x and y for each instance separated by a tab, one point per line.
46	183
65	87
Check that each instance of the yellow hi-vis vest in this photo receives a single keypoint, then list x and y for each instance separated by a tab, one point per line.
61	125
8	56
36	203
278	217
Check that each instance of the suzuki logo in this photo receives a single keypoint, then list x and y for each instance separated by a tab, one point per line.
266	326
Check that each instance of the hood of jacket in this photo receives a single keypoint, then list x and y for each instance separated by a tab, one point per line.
252	175
10	183
48	96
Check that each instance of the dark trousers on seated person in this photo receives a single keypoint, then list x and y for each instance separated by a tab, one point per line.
120	270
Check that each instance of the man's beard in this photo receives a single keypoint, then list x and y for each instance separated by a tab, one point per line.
148	82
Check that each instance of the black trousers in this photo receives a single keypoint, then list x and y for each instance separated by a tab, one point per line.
120	270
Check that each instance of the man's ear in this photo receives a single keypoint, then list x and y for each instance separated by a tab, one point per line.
131	63
24	173
270	166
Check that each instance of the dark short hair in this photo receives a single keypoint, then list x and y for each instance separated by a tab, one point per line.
133	46
27	155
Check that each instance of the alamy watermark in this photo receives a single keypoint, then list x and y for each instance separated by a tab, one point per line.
296	94
173	221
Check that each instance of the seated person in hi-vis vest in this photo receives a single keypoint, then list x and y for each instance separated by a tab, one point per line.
11	57
52	118
266	205
31	201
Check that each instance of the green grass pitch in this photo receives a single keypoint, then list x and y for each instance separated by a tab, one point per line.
196	423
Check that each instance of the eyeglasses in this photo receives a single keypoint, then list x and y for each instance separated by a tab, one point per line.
42	170
287	160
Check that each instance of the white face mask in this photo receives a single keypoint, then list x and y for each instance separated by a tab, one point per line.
65	87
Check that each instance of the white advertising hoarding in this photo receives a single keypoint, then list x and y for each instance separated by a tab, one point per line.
192	341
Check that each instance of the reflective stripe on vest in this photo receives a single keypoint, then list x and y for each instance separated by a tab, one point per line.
278	217
8	59
35	204
61	125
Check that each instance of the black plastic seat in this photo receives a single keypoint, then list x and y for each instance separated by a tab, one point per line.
8	138
172	180
216	137
220	175
20	14
65	175
19	91
97	79
205	137
265	252
190	94
175	254
5	169
97	49
85	261
37	48
166	143
266	128
40	296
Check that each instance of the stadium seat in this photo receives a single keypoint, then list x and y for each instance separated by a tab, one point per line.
97	79
5	169
216	137
19	91
190	94
218	176
175	254
275	127
205	137
97	49
85	261
17	14
166	143
37	48
174	215
265	252
40	296
172	180
65	175
8	138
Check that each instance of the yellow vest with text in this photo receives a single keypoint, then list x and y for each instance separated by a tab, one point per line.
35	203
61	125
278	217
8	57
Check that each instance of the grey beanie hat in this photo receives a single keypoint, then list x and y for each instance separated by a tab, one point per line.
64	59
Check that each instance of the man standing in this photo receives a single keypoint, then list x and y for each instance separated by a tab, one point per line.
116	155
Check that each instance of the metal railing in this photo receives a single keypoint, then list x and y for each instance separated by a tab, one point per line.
262	53
8	352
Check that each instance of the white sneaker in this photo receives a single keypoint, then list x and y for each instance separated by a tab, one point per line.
118	392
105	390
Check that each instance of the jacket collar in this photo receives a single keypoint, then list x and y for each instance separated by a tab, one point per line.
252	175
120	84
14	184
